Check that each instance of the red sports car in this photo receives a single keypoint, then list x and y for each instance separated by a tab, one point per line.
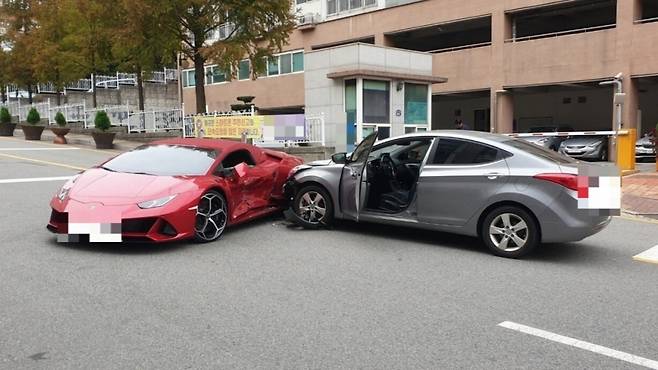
171	190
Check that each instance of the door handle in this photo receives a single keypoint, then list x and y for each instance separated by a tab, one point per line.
353	173
494	175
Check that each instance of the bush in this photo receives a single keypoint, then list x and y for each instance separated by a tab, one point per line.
60	119
5	116
102	121
33	117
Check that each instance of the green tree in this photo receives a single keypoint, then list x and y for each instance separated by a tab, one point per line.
17	17
87	29
139	44
50	61
255	30
102	121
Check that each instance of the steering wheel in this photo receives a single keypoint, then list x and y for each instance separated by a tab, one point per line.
388	166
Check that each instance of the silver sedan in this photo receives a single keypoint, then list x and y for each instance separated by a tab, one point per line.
512	194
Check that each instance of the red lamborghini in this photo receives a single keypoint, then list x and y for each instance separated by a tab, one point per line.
171	190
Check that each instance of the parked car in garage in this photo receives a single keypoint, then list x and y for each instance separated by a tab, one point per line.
511	194
645	148
548	142
593	148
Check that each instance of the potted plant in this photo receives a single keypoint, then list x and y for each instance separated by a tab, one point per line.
33	129
6	126
103	139
61	130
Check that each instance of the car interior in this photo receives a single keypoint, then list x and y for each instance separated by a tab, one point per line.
392	173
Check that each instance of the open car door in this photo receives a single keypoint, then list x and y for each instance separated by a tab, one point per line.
351	178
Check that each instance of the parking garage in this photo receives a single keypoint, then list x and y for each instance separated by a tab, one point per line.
443	37
647	117
472	108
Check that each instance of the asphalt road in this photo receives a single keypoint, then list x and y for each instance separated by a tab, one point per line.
268	295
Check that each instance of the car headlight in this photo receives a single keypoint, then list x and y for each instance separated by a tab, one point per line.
156	202
544	140
594	146
64	191
298	168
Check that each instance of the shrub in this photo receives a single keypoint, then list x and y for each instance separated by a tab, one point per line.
33	117
5	116
102	121
60	119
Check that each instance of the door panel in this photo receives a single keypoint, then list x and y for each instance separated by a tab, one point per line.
450	195
350	182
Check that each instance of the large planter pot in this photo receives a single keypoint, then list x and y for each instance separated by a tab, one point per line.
32	132
7	129
60	132
104	140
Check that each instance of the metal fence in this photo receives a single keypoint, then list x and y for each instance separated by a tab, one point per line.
118	114
165	120
72	112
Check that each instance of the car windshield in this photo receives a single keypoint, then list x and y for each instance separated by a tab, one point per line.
164	160
539	151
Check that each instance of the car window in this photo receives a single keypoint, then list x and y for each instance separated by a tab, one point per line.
464	152
407	151
239	156
164	160
539	151
361	152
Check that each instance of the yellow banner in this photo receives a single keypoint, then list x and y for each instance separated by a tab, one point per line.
228	127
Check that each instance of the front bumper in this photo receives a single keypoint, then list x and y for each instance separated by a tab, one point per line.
584	153
75	221
642	152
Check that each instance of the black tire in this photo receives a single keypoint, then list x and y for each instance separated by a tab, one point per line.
216	220
494	239
308	217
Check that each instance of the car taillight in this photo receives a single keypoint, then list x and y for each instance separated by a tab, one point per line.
569	181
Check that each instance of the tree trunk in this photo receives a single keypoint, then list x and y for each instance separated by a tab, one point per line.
93	90
4	94
140	88
29	93
59	97
200	82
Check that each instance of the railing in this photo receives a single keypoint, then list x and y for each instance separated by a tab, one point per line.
165	120
118	114
456	48
72	112
562	33
83	84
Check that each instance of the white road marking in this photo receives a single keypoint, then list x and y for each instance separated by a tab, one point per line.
34	149
34	179
637	360
649	256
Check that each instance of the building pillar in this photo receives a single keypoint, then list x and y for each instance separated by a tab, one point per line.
629	117
502	118
381	40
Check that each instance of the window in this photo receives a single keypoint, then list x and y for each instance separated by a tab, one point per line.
539	151
237	157
285	63
376	101
336	6
273	66
415	104
188	78
164	160
463	152
215	75
244	70
298	62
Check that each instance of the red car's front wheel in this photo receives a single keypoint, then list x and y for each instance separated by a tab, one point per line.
211	217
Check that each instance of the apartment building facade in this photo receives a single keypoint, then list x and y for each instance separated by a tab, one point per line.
500	66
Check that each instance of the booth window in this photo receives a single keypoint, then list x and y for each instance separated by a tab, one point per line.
376	101
415	104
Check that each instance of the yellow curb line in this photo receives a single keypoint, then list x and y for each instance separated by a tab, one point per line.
106	151
41	161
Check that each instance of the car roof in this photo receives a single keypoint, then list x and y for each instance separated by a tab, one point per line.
216	144
463	134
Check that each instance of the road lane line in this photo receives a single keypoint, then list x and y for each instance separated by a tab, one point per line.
34	149
605	351
648	256
42	162
34	179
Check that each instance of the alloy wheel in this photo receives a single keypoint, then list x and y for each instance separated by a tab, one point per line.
312	207
508	232
211	217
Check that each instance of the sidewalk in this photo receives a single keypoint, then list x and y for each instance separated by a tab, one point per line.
83	140
640	194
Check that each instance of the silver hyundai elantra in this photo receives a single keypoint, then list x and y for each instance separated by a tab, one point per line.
512	194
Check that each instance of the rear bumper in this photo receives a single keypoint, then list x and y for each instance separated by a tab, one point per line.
563	221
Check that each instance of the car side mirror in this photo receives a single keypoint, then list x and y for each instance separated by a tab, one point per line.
339	158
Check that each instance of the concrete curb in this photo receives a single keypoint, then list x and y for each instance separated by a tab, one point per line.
83	140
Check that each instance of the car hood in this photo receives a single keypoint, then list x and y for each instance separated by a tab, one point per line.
116	188
644	140
584	140
533	139
322	162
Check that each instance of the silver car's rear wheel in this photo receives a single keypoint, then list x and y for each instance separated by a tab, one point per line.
509	231
312	207
211	217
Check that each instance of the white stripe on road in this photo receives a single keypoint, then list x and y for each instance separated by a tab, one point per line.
637	360
649	256
34	179
34	149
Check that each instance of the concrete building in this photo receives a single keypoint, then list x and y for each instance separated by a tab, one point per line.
510	65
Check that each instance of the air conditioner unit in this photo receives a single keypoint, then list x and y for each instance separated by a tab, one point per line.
308	19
